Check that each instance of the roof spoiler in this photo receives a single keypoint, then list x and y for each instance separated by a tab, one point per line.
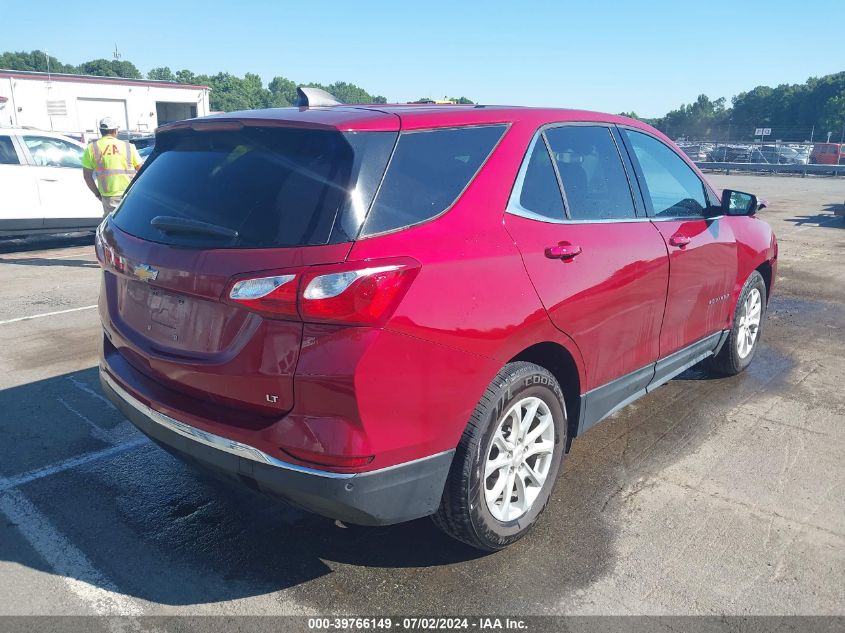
308	97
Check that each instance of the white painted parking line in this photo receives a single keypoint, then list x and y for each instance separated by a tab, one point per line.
94	394
73	256
46	314
65	559
7	483
97	432
22	257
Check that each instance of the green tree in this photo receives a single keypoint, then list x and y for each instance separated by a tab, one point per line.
186	77
833	116
162	74
33	61
229	92
349	93
792	111
109	68
282	92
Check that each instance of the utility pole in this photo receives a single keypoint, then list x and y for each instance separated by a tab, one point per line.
49	89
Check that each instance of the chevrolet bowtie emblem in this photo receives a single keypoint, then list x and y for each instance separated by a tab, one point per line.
145	272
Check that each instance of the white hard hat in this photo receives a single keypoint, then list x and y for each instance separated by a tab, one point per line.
108	123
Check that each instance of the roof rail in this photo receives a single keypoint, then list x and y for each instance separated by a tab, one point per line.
308	97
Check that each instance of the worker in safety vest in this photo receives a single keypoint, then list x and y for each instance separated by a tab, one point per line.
108	165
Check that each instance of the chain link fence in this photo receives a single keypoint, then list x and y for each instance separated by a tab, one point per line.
768	152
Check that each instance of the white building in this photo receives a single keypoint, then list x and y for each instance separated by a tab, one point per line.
75	103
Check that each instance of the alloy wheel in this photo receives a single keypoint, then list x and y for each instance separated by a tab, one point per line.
749	323
519	459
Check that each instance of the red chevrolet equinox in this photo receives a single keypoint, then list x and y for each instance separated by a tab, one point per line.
379	313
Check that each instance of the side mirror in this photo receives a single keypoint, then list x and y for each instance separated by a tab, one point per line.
740	203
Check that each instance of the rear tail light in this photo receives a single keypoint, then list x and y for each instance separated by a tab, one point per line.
364	296
357	293
276	295
110	257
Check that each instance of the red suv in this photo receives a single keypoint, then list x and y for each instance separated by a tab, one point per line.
380	313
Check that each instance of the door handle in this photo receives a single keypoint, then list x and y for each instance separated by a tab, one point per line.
679	240
563	250
49	180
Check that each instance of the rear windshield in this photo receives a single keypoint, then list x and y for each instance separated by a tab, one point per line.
264	187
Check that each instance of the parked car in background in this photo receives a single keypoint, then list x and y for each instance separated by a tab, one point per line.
737	154
145	151
780	155
697	153
828	154
42	186
79	137
143	141
804	154
380	313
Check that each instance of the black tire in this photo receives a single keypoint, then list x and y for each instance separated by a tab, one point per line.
463	512
728	361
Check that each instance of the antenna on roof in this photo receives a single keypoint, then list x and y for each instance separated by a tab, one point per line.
308	97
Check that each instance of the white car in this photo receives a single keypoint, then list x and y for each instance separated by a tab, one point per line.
42	186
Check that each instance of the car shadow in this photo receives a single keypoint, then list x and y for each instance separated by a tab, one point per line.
159	531
825	219
149	527
44	261
44	242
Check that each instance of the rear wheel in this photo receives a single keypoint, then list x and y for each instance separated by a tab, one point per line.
507	460
738	351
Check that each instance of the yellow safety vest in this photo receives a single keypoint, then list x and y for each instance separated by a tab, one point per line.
113	165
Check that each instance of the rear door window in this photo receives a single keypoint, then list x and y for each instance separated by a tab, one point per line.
591	172
428	171
274	187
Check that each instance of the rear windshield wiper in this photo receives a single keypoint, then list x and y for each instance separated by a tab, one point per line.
185	226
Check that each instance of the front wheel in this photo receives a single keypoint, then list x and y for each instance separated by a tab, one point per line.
738	350
507	461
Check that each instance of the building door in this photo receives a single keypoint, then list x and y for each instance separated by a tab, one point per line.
90	111
167	111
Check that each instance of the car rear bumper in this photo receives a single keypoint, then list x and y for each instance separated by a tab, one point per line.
382	497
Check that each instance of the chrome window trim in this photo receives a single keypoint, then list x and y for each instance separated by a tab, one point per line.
505	128
515	208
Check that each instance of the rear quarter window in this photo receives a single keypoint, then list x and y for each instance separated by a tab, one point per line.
428	171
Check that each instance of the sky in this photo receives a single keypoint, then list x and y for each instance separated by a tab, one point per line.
646	56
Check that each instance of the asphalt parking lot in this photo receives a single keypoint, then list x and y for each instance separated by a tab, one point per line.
710	496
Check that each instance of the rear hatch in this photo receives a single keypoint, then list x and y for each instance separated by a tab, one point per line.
217	201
